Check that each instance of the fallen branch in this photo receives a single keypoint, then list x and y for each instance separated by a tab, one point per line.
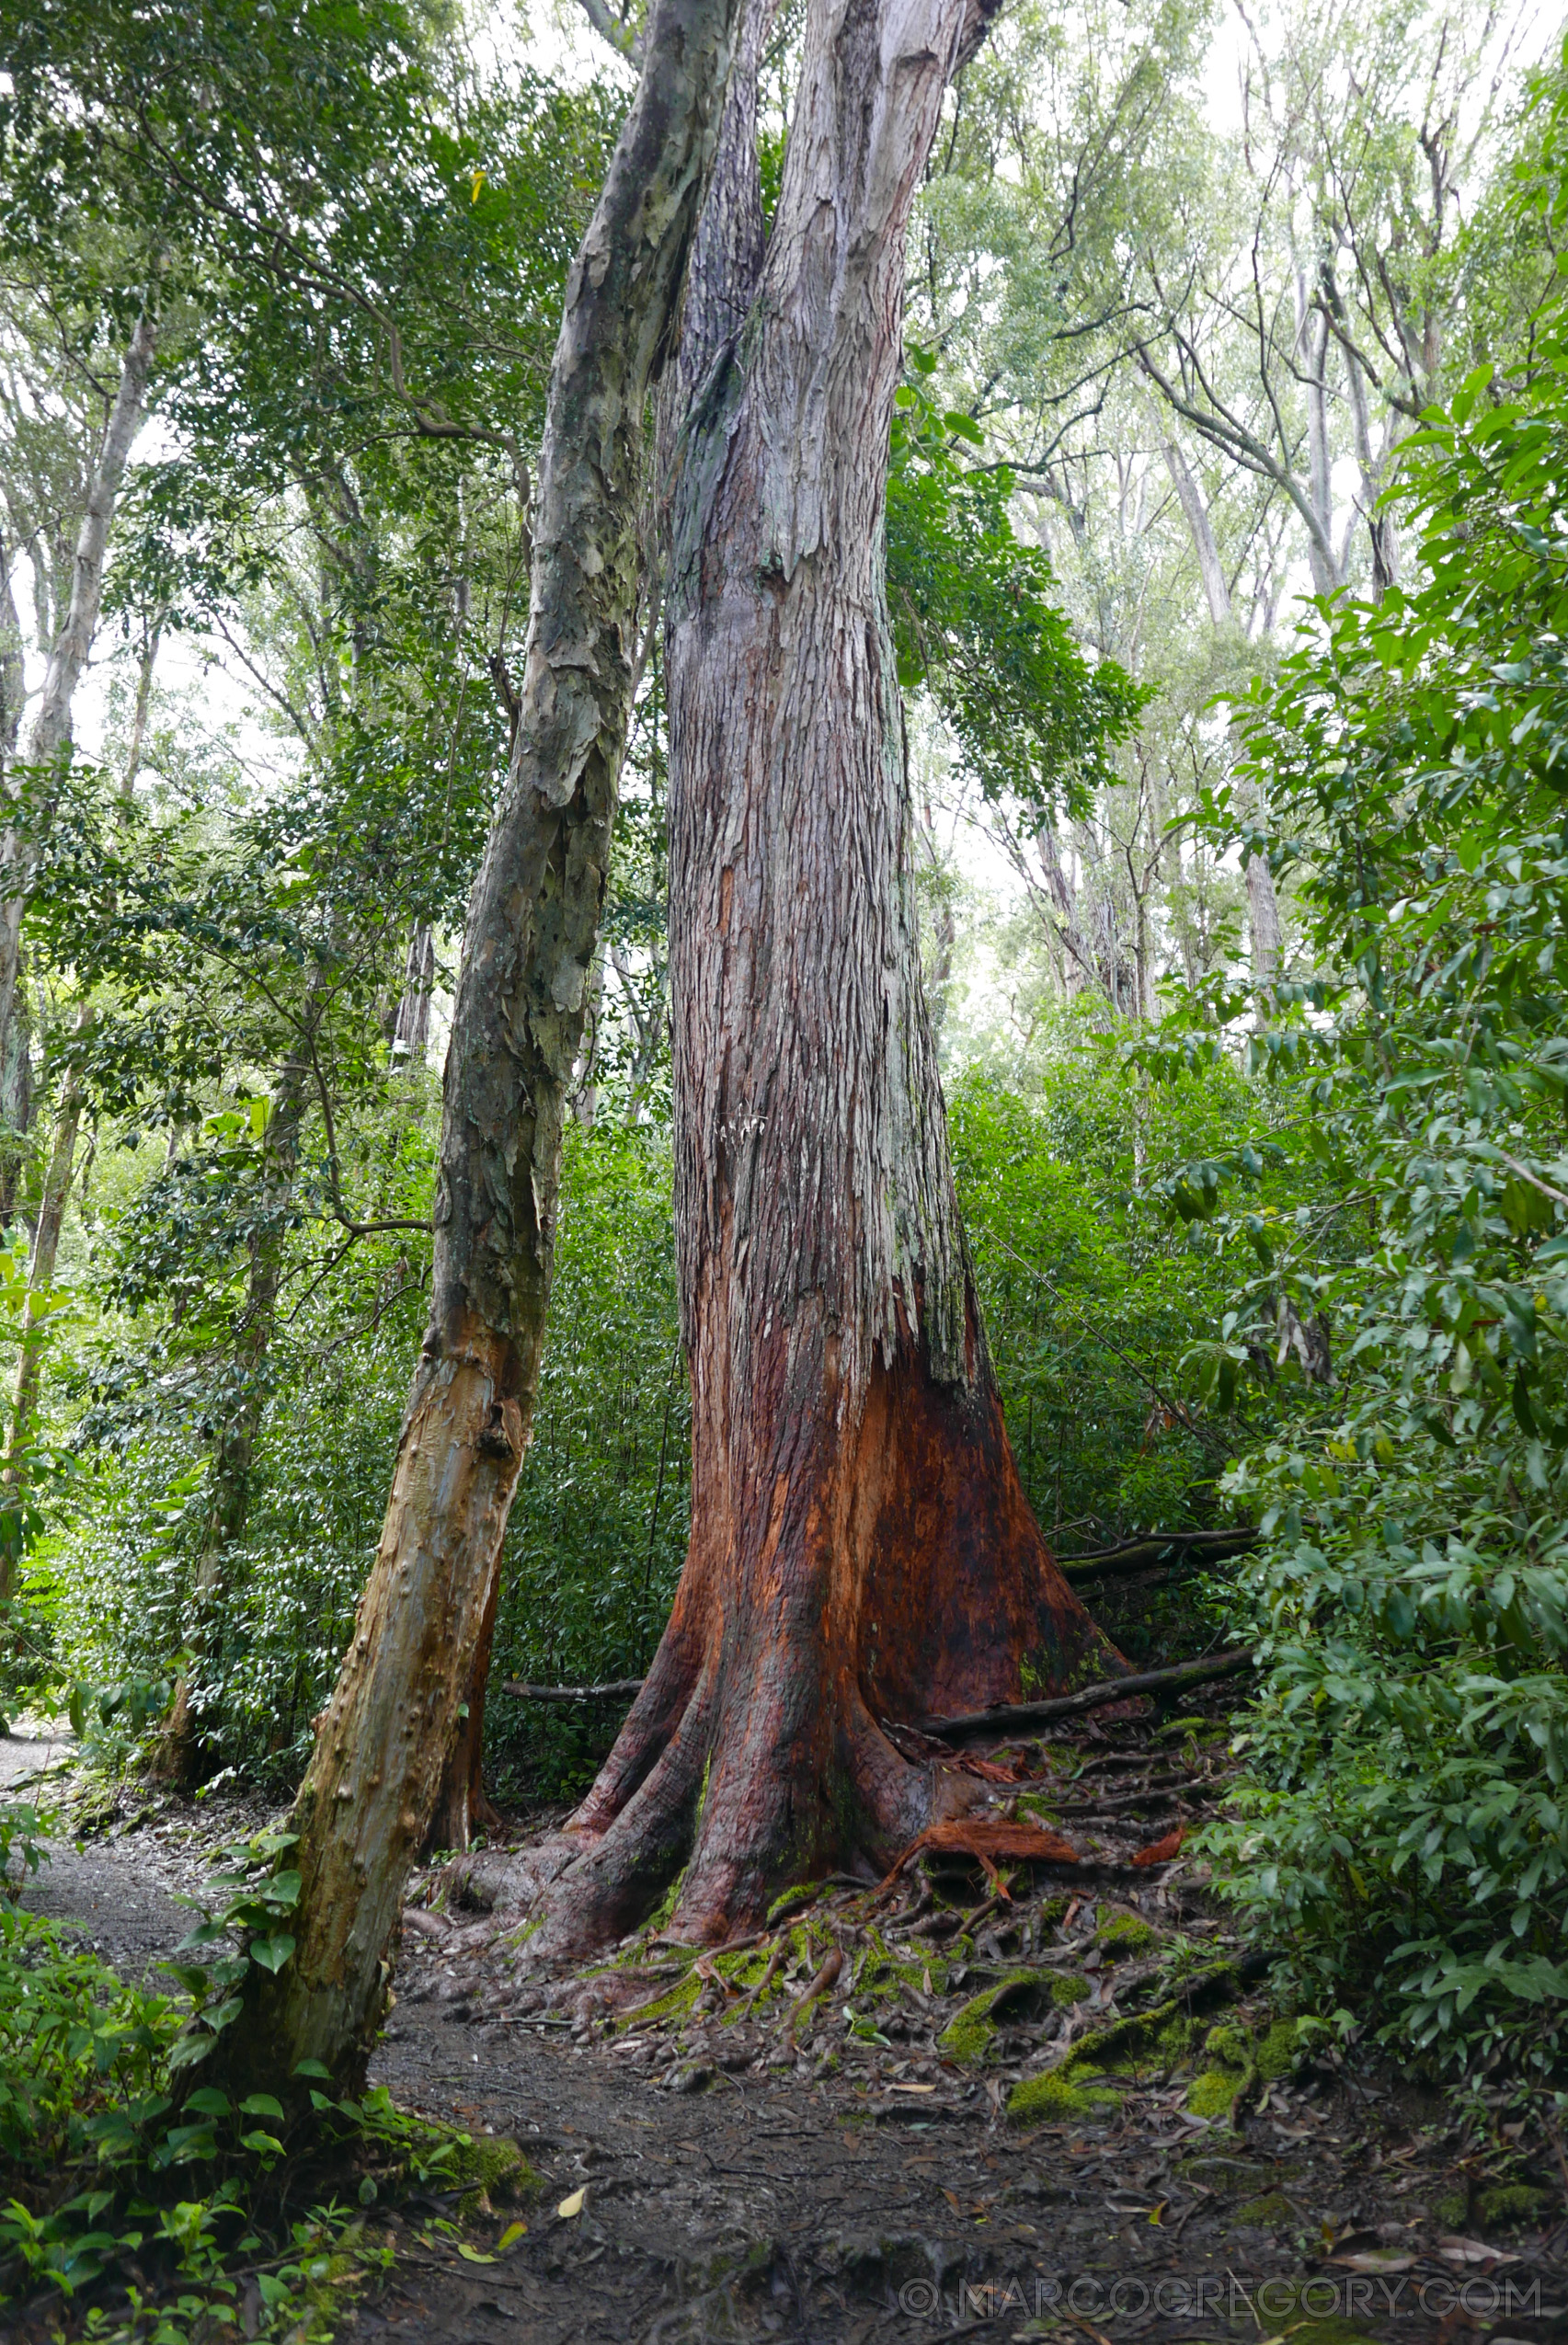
618	1686
1007	1715
1177	1549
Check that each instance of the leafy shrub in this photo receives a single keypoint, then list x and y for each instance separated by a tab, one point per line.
1406	1823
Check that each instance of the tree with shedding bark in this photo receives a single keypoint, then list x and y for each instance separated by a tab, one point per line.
862	1552
533	927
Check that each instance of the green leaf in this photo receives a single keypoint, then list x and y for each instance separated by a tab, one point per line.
272	1953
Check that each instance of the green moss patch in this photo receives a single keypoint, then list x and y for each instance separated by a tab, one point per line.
1236	2062
677	1999
1278	2051
491	2174
1512	2203
1029	1994
1060	2095
1126	2048
1212	2092
1125	1934
1268	2213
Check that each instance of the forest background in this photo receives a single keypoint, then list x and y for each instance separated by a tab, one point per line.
1240	911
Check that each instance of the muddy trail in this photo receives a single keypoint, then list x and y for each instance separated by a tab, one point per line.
987	2098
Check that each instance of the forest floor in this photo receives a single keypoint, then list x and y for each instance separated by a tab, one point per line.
724	2165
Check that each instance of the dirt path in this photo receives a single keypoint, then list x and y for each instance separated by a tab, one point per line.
835	2200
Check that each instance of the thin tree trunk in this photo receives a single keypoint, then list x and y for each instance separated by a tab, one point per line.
50	730
861	1546
148	663
36	1309
16	1060
1262	902
532	927
1311	348
411	1035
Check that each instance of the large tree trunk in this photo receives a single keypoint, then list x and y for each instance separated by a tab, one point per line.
860	1549
533	926
50	732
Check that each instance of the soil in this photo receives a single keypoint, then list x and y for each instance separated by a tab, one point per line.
841	2175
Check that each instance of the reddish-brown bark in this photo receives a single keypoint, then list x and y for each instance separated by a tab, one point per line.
861	1548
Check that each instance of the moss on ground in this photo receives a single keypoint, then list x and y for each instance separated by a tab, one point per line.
1059	2095
1230	2059
1512	2203
1128	1935
1278	2051
1126	2048
493	2171
1212	2093
968	2034
1268	2212
678	1998
1236	2062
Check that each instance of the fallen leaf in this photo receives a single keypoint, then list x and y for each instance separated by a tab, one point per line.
511	2235
1160	1852
911	2088
574	2204
472	2255
1472	2251
1375	2260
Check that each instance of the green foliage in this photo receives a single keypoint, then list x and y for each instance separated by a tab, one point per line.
1404	1820
599	1526
976	618
112	2162
1090	1285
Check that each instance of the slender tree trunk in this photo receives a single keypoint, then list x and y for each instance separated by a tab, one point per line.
861	1548
1077	961
533	927
15	1058
50	732
36	1309
144	709
1262	902
1311	350
411	1035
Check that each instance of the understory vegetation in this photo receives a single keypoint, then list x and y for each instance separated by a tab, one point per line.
1247	951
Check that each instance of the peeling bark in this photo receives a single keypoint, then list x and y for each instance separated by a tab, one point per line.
533	926
861	1545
